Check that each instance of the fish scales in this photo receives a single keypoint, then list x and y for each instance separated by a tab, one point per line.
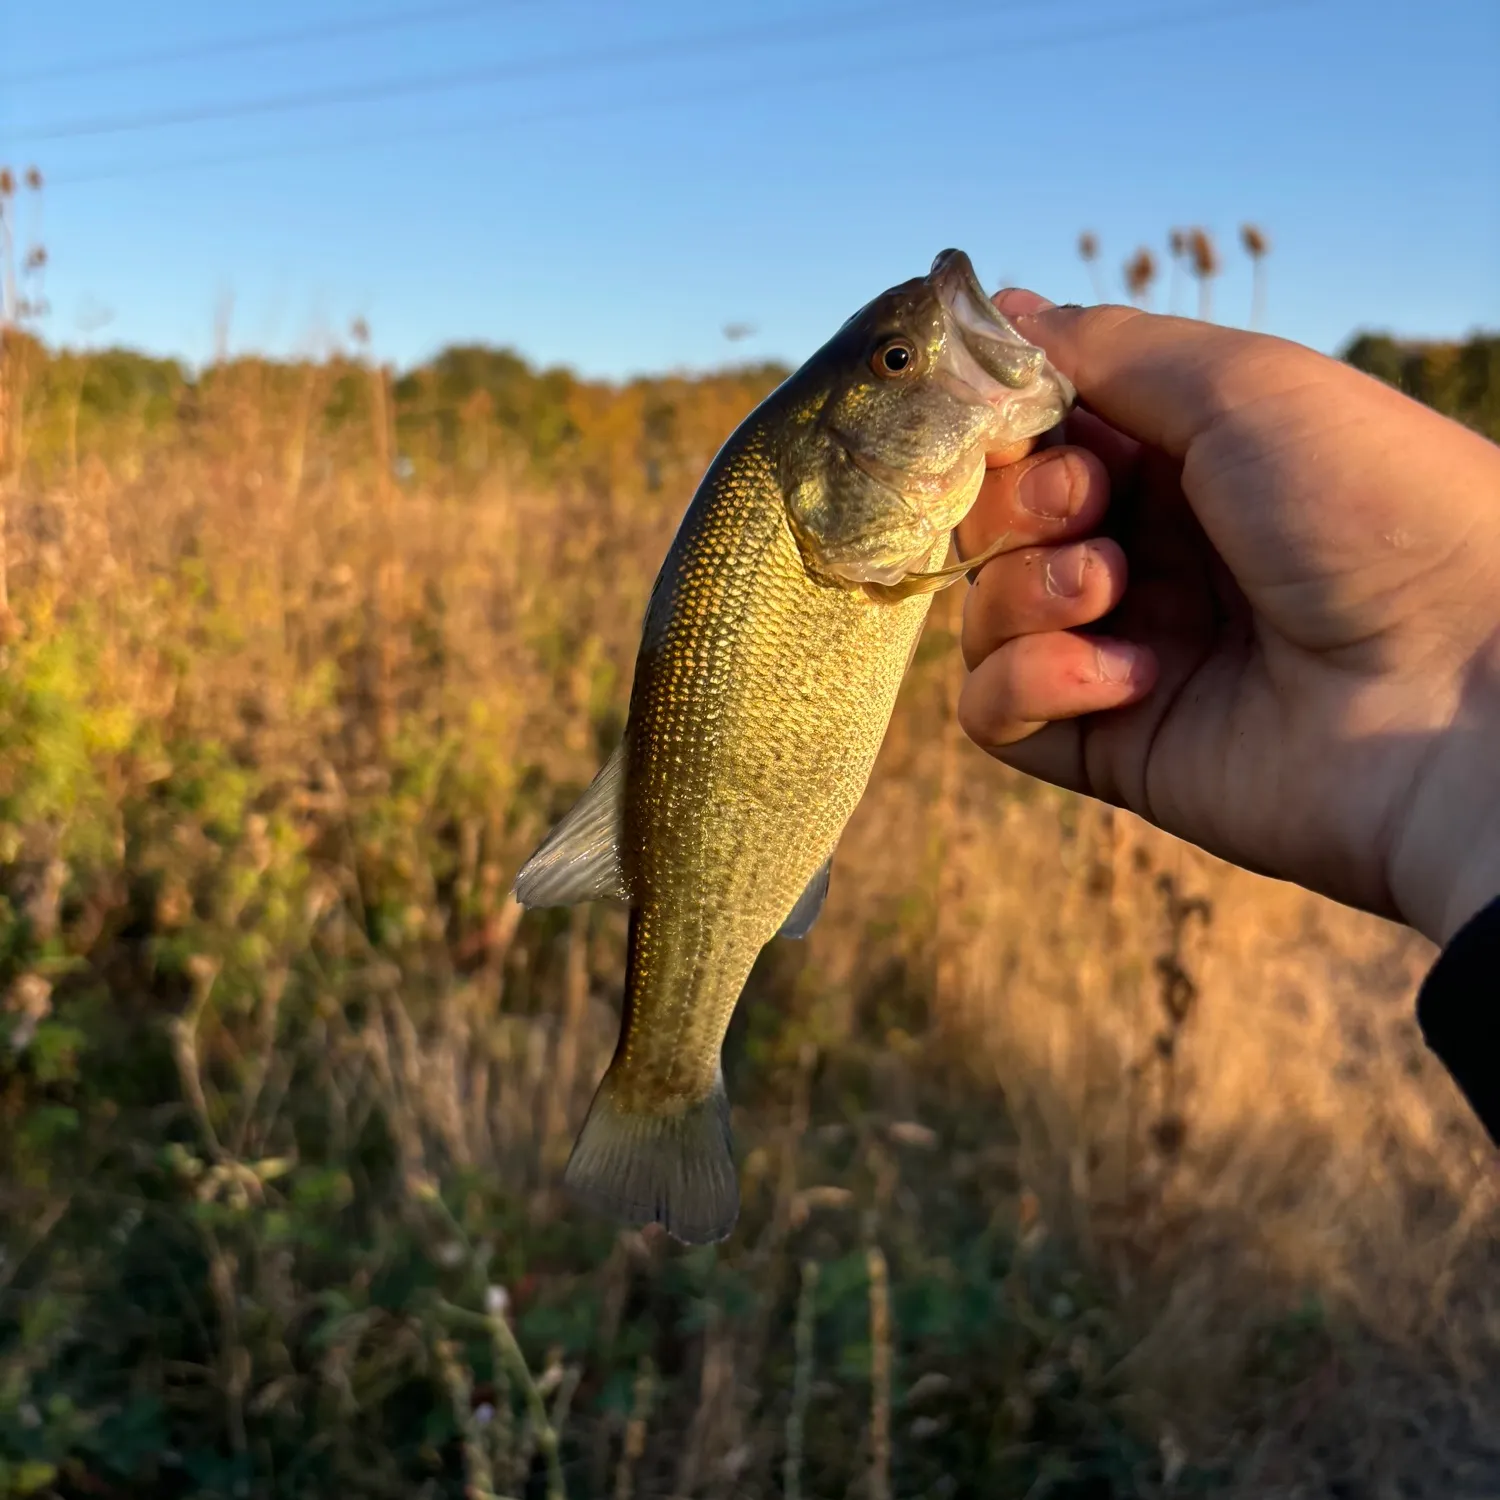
762	698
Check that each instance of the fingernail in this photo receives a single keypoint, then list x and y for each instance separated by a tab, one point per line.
1115	661
1047	489
1064	572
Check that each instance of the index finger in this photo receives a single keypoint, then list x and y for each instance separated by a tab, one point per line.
1000	458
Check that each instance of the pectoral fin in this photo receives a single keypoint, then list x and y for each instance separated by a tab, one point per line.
580	859
809	904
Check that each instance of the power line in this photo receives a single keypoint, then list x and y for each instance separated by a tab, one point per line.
1140	26
261	41
406	86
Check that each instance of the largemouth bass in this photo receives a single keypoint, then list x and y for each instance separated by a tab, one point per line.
776	637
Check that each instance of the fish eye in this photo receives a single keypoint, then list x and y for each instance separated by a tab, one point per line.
894	358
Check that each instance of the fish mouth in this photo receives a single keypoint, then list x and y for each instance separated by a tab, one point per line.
986	359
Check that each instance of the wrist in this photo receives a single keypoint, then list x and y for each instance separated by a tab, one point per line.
1476	884
1445	866
1454	878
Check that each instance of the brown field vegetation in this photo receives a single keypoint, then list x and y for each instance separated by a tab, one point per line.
1075	1163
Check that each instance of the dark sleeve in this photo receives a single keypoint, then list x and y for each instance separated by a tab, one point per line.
1458	1009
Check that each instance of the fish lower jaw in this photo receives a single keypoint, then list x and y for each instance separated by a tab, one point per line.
1020	415
856	575
853	573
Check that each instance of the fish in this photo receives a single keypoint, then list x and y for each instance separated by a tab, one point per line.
776	636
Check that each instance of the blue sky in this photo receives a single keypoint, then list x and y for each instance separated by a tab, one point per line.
608	185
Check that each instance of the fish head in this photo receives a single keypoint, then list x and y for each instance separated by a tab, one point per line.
897	412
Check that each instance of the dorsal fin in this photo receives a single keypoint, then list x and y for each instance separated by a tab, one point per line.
580	859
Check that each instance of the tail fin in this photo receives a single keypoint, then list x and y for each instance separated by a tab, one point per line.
676	1170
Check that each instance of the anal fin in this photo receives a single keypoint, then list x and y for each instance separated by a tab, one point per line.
809	905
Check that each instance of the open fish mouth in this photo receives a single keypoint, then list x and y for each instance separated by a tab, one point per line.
989	361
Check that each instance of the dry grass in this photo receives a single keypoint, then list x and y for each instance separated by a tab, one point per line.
1075	1163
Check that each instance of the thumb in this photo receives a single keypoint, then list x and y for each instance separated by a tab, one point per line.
1160	379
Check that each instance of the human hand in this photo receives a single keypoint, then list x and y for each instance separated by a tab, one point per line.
1302	674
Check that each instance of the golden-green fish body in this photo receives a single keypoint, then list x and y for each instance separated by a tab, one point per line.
775	642
761	700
